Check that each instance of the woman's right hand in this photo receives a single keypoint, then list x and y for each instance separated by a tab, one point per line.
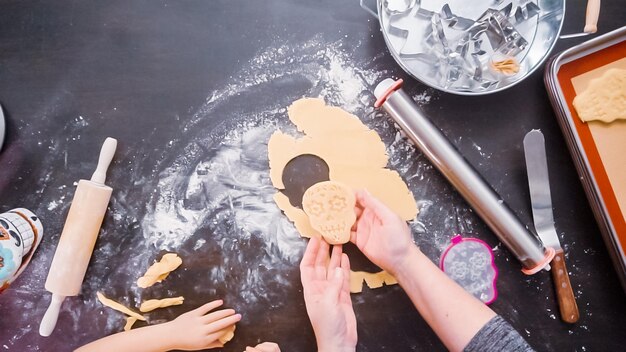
382	236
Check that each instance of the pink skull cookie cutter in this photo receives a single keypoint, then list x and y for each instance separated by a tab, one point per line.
470	263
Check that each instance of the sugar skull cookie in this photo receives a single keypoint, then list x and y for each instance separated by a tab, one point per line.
330	207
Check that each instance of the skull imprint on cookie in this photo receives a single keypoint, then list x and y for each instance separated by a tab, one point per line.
330	207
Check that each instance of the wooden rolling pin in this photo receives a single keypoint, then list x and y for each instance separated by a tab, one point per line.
78	238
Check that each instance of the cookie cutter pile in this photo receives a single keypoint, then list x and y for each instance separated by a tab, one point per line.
460	46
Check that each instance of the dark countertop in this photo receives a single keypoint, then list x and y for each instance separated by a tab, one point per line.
192	90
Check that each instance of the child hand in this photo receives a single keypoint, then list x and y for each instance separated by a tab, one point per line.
196	330
327	296
264	347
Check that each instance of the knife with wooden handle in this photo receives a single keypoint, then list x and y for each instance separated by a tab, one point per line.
539	183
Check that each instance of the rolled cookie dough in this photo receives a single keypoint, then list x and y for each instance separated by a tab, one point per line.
158	271
118	307
355	155
153	304
508	66
373	280
330	208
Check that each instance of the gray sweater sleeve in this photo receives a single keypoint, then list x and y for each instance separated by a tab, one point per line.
497	336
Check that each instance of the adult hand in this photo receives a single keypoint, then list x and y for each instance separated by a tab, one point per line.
264	347
327	296
196	330
381	234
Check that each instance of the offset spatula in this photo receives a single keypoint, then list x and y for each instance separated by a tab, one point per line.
539	183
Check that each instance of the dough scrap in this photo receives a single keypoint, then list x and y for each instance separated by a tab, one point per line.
153	304
228	335
129	323
373	280
158	271
387	278
117	306
330	208
356	281
604	99
508	66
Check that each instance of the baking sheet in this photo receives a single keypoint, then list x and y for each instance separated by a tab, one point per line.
602	144
608	137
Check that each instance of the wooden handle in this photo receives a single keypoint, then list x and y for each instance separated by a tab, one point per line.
49	320
106	156
591	18
564	292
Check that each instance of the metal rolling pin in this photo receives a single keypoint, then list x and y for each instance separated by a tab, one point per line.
462	176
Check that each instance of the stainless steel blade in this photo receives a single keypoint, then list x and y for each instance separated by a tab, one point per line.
539	183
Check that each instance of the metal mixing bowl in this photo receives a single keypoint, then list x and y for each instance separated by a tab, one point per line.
440	42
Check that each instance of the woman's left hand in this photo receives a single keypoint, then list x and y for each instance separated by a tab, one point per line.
327	296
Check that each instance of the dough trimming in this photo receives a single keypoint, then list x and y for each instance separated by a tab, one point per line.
153	304
118	307
158	271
